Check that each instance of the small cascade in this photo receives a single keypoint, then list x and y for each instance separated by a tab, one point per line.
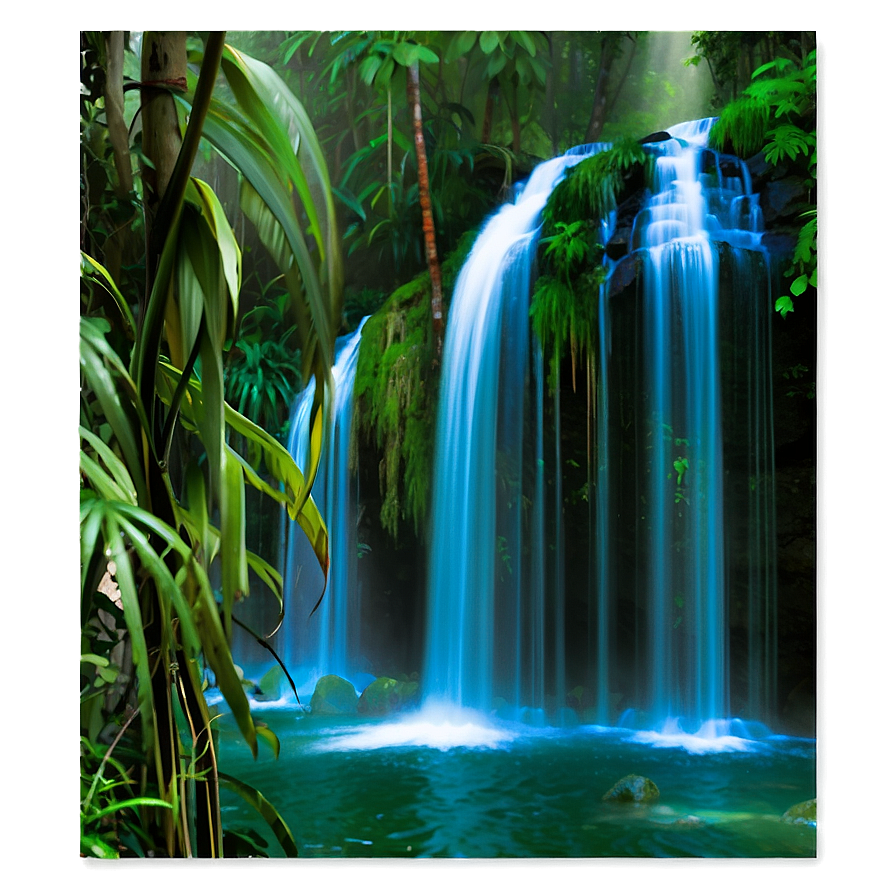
694	457
327	641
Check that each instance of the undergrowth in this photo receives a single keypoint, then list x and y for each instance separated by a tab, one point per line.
565	299
396	390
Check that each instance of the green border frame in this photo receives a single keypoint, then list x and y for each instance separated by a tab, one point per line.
38	556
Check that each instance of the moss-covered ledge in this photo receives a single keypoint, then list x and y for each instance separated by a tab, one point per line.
396	391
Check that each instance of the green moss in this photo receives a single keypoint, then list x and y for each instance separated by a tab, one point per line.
801	813
741	127
590	189
396	389
632	789
565	300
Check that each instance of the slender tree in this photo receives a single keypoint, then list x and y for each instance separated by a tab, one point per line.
604	100
429	230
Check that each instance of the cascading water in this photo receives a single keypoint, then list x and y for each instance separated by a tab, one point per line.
686	556
489	579
326	642
693	446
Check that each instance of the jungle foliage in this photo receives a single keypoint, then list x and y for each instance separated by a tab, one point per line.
776	115
396	393
565	300
162	504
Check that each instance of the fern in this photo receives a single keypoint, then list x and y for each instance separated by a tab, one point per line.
742	125
567	247
589	190
788	140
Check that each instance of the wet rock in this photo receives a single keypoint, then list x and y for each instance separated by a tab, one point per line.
625	273
271	685
333	696
799	712
783	198
656	137
689	821
632	789
387	695
801	813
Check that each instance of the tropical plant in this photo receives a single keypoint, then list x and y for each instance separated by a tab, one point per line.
513	64
162	490
263	368
732	56
564	301
776	115
378	57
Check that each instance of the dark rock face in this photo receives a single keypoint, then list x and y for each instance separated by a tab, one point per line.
657	137
625	273
781	199
626	212
632	789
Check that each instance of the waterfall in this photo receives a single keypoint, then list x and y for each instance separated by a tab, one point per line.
680	415
489	578
689	483
327	641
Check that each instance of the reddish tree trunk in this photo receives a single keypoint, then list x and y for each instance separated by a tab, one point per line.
429	230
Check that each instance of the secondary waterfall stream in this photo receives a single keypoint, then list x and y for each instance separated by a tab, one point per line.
326	642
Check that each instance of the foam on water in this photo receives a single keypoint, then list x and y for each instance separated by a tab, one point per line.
440	728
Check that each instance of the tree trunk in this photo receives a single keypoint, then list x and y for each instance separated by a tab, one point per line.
598	106
513	112
429	230
611	105
164	60
494	91
550	89
116	245
164	67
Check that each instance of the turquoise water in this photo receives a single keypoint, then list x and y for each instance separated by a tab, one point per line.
477	788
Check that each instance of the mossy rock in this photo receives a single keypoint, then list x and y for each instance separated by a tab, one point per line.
272	684
632	789
333	696
801	813
387	695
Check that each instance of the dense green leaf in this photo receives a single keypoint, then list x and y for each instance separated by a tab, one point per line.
784	305
266	734
488	41
134	619
234	569
89	267
104	387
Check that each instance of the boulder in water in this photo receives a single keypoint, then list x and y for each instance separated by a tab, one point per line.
271	685
801	813
387	695
333	696
632	789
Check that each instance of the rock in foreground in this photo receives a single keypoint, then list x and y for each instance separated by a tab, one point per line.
633	789
333	696
387	695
